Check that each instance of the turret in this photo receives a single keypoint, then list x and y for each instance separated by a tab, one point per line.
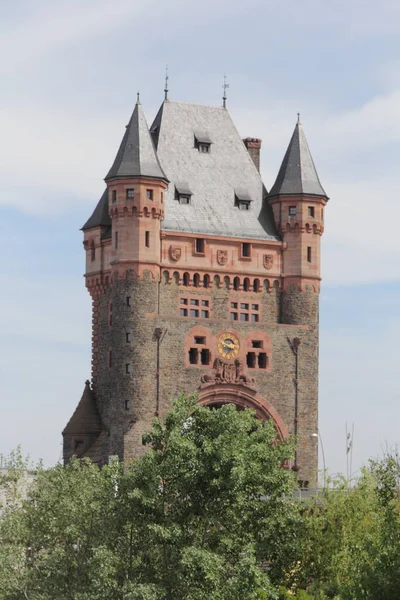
136	185
298	200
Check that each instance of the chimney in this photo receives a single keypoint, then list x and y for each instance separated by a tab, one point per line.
253	146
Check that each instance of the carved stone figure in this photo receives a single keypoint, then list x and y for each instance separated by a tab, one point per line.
227	373
222	257
175	253
268	261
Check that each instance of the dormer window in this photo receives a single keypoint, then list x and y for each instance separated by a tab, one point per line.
242	199
202	142
183	193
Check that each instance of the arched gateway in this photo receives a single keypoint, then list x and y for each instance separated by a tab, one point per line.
229	385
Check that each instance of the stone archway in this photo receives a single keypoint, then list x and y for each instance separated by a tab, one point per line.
243	396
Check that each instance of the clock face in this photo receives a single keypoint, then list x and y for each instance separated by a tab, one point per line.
228	345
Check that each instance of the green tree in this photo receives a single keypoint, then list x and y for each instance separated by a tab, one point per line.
206	513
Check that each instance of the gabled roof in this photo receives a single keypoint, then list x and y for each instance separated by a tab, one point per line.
100	216
136	155
212	177
297	174
86	418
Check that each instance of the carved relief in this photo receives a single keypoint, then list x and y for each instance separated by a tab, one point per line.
175	253
222	257
268	261
227	373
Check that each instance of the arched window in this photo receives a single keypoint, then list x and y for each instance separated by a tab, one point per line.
165	276
236	284
246	284
196	280
186	279
206	281
217	280
256	285
266	285
227	282
176	277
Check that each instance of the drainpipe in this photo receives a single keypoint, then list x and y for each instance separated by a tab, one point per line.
295	345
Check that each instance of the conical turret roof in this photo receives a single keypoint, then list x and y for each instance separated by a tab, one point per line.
298	174
86	418
100	216
136	155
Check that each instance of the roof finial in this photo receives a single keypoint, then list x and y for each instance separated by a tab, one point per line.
225	87
298	118
138	98
166	83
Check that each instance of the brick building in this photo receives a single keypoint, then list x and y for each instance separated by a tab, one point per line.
201	281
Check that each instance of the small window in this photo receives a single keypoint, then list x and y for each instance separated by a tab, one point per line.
234	304
246	250
194	312
262	360
128	368
149	194
184	300
204	148
116	239
255	318
126	404
199	340
236	284
309	254
205	356
183	312
322	214
186	279
204	302
193	356
128	337
234	316
199	245
256	344
244	306
184	199
162	197
204	314
244	316
92	251
244	205
130	194
128	300
114	196
194	302
311	211
292	211
251	360
147	239
254	307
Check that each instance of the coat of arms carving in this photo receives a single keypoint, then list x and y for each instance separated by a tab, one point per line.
175	252
268	261
222	257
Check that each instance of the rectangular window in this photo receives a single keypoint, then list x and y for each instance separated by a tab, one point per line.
244	316
311	211
204	148
149	194
199	246
147	239
114	196
309	254
183	312
193	356
199	340
126	404
234	316
183	199
127	337
205	356
262	360
255	318
116	240
254	307
194	302
128	368
244	205
292	211
194	312
243	311
251	360
246	250
184	300
244	306
204	314
234	304
128	300
194	307
257	344
204	302
130	194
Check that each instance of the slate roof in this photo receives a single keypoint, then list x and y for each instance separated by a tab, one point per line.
211	177
136	155
297	174
100	215
86	418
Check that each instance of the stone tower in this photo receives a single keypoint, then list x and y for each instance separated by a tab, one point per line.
201	281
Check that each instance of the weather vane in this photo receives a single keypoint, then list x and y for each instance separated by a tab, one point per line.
225	86
166	83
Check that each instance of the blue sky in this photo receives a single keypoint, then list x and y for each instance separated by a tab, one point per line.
69	73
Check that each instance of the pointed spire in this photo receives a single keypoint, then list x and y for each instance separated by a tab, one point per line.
298	174
100	216
136	156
